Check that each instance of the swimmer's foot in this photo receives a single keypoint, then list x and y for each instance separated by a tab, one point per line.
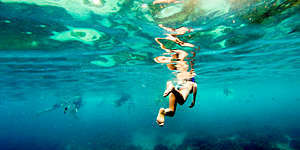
160	120
169	88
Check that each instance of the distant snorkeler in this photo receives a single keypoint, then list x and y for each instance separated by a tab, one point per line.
122	100
227	91
72	105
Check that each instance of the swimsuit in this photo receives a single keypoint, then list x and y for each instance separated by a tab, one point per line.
193	79
179	85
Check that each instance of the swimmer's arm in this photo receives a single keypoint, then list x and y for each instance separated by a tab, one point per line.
194	95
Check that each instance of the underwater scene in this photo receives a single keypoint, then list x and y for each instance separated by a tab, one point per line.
150	75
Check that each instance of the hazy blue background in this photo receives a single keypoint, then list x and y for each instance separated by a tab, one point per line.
257	61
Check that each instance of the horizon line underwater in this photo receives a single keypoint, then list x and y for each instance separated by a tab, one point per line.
149	75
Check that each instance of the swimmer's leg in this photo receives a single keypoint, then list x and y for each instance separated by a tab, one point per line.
187	90
168	111
183	93
46	110
172	105
160	119
169	88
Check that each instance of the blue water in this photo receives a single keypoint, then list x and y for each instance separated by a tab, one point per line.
248	75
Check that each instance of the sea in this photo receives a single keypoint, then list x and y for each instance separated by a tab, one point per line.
82	75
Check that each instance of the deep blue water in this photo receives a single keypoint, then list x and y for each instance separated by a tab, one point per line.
54	51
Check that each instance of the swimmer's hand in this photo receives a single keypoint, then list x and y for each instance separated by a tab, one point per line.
192	105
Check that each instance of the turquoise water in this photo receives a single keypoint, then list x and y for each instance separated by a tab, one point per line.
54	53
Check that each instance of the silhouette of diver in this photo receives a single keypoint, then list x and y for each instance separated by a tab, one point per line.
72	105
122	100
227	91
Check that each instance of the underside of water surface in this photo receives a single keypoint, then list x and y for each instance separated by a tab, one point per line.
83	74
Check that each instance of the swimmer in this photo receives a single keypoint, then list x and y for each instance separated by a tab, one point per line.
74	105
227	91
166	1
185	79
68	106
177	94
122	100
185	84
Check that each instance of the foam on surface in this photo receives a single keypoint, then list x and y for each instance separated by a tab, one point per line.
84	35
78	8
